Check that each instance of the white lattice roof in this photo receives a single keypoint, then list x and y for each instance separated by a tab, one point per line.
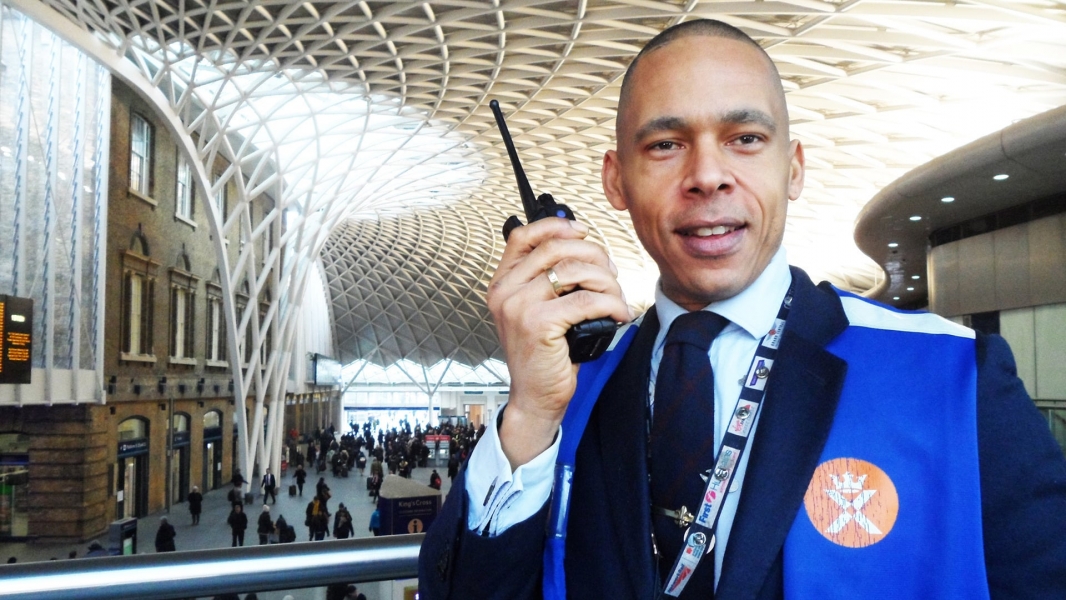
371	119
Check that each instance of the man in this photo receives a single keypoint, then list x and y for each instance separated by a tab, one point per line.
301	478
238	479
95	549
196	501
270	487
238	524
886	442
235	496
317	520
375	522
164	536
342	523
285	531
264	526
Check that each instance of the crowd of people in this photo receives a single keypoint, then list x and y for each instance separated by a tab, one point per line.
395	451
399	450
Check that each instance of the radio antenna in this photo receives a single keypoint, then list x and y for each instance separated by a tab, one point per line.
529	201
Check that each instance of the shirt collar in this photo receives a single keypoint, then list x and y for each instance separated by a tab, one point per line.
753	309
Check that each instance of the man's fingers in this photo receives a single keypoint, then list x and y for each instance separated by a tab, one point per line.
554	251
572	274
531	235
585	305
525	239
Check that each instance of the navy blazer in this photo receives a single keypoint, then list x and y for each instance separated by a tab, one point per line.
1023	484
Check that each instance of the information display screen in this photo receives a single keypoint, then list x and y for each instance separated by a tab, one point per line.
16	339
327	371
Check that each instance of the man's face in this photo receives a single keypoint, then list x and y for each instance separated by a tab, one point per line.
704	166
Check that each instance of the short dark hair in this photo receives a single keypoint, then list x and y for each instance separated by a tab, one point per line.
697	27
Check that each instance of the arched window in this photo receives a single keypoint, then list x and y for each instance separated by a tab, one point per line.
138	293
133	428
142	145
179	437
181	422
213	419
216	325
183	286
185	192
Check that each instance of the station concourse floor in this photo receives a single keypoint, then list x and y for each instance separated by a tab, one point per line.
213	532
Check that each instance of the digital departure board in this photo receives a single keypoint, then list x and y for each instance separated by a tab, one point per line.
16	339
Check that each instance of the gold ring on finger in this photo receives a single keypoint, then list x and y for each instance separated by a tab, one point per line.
554	279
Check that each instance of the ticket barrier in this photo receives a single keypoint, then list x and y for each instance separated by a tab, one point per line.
122	537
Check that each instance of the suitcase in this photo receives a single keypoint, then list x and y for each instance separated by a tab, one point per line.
292	490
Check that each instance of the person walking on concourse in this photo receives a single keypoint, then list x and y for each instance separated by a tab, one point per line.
301	478
164	536
270	487
238	523
265	526
196	500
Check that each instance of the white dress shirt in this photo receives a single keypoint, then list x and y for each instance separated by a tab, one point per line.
500	498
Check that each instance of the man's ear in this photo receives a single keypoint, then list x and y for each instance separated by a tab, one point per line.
611	175
796	169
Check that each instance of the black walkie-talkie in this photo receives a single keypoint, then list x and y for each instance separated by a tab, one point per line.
588	339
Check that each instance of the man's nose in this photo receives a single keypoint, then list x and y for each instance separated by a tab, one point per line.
708	170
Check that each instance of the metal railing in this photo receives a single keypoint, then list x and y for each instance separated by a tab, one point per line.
210	572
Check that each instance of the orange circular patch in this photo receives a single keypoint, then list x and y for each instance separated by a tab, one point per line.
851	502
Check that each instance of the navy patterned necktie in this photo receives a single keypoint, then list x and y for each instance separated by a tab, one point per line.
682	437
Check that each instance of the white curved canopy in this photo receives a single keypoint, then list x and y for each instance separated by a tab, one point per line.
368	122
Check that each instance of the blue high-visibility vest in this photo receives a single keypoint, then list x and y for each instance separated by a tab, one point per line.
894	508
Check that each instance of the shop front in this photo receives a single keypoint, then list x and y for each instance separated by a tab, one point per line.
131	485
14	486
212	467
179	459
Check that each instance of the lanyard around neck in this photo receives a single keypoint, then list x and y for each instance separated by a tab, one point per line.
699	537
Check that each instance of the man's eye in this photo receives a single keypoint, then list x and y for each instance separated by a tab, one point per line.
748	139
663	146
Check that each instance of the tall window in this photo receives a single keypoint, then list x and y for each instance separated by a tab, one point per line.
185	189
135	283
247	336
220	201
181	321
138	294
183	286
140	155
137	315
216	332
182	324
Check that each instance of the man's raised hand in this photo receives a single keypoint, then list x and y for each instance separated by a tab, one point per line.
532	320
